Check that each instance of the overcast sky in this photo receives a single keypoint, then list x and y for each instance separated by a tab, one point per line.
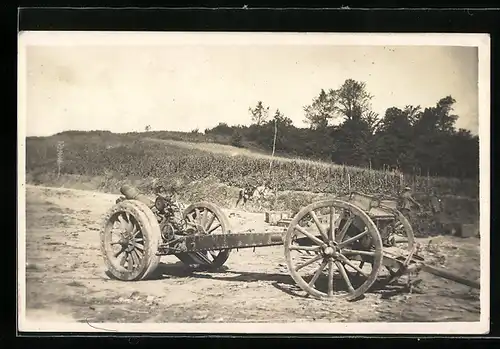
124	88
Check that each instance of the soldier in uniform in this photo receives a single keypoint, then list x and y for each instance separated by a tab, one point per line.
438	215
406	203
245	194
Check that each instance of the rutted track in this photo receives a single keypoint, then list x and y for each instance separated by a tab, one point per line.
65	277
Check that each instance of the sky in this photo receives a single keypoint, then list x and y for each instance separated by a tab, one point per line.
180	87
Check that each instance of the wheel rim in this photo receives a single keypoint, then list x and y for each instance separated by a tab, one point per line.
205	219
125	244
401	228
338	240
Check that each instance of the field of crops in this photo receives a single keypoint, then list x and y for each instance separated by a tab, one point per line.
121	156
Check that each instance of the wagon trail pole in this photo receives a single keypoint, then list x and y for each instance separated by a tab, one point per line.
446	274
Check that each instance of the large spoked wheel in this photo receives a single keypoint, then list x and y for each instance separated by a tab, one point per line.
401	235
205	218
335	238
129	241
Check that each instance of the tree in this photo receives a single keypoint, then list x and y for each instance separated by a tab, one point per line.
147	128
412	113
464	151
394	138
353	100
282	126
372	121
222	129
434	131
320	110
352	143
438	118
408	138
355	136
399	121
445	120
259	114
282	120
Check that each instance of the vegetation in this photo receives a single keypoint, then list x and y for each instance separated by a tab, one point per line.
344	130
354	149
131	156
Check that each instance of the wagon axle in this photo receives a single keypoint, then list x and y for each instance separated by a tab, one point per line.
332	247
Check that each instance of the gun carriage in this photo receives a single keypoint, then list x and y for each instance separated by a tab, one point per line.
333	248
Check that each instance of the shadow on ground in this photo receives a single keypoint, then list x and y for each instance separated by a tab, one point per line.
282	281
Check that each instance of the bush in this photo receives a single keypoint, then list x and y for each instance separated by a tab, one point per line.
237	140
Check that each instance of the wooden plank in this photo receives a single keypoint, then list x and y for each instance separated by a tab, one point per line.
380	213
197	243
443	273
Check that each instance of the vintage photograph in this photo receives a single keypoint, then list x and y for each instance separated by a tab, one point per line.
253	182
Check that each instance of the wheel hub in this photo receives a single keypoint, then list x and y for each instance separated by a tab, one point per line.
126	241
331	251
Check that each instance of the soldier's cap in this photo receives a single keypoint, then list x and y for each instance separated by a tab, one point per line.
407	188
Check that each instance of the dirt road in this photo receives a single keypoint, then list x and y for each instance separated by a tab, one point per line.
65	277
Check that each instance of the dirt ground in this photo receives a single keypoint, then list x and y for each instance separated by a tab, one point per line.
66	280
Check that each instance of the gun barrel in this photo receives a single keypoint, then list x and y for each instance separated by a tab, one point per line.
132	193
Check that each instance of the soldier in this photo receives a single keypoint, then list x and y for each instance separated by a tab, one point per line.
436	203
438	214
406	202
245	194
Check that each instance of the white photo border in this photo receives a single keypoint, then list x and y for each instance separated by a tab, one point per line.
76	38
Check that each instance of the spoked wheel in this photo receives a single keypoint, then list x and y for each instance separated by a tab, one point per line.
341	238
205	218
129	241
401	236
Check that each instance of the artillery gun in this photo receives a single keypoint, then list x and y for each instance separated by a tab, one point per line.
347	242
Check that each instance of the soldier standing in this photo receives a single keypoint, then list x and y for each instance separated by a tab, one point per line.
438	215
406	203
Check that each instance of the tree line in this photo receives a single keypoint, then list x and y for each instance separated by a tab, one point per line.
342	128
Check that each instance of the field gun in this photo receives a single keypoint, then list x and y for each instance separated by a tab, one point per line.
336	247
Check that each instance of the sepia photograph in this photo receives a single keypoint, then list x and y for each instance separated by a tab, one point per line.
253	182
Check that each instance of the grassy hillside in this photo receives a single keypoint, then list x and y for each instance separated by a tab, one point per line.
133	156
207	171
